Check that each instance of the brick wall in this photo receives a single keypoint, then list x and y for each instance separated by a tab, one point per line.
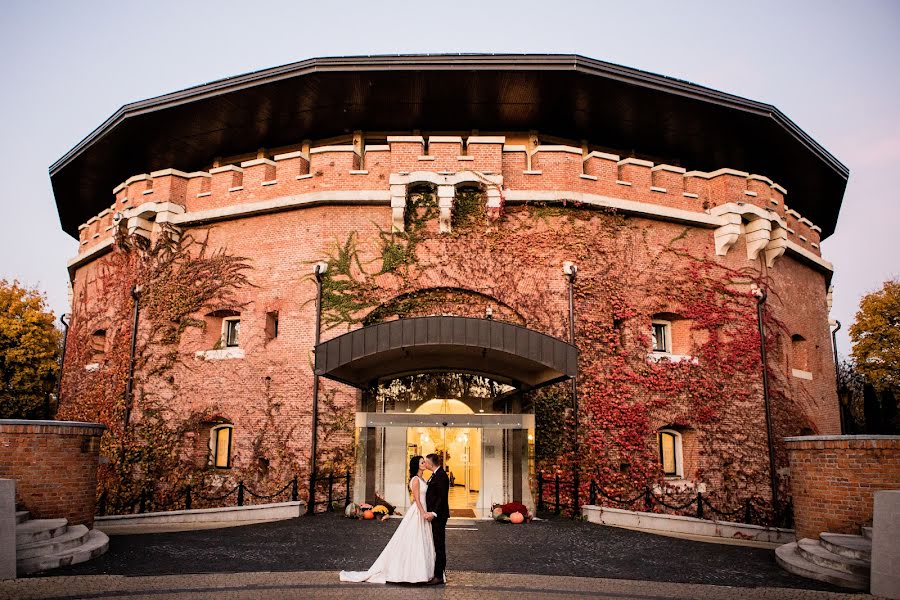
834	479
54	464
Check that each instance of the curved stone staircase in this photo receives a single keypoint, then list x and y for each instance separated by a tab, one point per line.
836	558
43	544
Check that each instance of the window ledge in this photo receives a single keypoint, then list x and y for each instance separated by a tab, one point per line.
801	374
679	484
665	356
91	367
220	354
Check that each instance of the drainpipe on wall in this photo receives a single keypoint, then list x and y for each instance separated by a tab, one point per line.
318	271
760	295
571	271
129	386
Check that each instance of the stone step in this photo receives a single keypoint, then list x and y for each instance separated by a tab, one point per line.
96	544
814	551
851	546
867	533
21	516
74	537
39	529
790	559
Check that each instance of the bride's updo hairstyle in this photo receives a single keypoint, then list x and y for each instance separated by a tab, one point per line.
414	466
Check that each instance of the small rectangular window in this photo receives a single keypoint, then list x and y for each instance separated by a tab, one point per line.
222	447
660	337
272	325
231	330
667	454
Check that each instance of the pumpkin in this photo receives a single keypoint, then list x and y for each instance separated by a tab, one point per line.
368	515
516	518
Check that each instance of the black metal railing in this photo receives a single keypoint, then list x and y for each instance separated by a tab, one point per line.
558	495
188	497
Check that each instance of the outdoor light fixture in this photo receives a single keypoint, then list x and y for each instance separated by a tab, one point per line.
760	295
489	312
570	269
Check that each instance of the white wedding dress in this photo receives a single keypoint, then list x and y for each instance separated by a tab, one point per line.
408	556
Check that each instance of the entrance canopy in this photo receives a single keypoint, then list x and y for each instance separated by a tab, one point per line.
527	359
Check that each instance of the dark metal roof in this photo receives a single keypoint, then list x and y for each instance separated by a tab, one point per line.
502	351
569	96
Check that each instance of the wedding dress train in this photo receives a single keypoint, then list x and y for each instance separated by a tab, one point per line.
408	556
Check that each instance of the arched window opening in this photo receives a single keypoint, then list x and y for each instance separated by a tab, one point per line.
800	357
670	453
98	346
220	444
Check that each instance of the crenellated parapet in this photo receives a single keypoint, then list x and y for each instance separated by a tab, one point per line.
734	203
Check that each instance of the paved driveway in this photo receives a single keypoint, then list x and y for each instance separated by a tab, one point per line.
554	547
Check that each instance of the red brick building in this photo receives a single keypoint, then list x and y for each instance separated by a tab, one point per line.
444	194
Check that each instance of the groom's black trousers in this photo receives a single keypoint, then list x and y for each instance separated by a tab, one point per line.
439	534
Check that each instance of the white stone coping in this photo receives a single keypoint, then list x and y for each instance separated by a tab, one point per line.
603	155
321	149
590	177
136	178
486	139
661	190
839	438
257	161
635	161
253	512
620	182
762	178
567	149
89	254
466	157
627	206
783	191
358	172
736	532
170	172
290	155
792	212
225	169
801	374
669	168
514	148
532	172
690	195
200	174
751	194
221	353
445	139
283	203
378	148
426	157
809	256
406	138
146	192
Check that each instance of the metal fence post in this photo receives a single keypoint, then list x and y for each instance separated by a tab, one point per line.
593	493
648	499
347	489
540	505
294	491
557	511
576	485
143	502
101	508
187	498
330	491
240	493
748	511
699	505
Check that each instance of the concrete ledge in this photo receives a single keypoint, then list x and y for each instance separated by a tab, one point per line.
653	522
256	512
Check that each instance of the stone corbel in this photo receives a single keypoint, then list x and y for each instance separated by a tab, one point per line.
757	234
398	206
494	203
445	206
146	220
727	235
777	244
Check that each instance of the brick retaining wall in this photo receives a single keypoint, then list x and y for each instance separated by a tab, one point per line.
834	480
54	464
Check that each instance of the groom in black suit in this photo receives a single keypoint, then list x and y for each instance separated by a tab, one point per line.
438	508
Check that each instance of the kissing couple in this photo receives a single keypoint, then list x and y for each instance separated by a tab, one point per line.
417	552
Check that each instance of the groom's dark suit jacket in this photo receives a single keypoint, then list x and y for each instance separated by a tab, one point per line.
436	495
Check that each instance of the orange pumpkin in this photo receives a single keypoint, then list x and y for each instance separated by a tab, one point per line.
368	515
516	518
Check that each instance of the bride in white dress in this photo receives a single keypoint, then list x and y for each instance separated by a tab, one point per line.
409	555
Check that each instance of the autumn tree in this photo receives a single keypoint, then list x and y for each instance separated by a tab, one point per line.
29	349
876	337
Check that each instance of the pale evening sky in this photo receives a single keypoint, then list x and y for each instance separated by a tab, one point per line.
831	67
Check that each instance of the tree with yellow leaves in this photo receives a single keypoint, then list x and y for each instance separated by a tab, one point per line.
876	337
29	350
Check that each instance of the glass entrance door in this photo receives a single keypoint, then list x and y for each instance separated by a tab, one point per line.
460	448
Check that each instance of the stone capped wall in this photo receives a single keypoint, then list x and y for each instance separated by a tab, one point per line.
54	464
834	480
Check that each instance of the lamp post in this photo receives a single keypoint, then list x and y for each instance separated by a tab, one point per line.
760	295
837	375
570	270
62	357
318	271
129	386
